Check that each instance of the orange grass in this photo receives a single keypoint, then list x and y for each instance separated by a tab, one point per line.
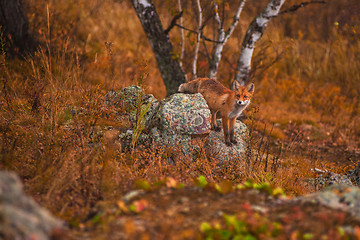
55	128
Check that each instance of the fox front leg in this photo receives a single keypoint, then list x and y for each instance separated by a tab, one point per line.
231	130
225	122
214	125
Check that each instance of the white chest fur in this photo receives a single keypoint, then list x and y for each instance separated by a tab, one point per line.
238	108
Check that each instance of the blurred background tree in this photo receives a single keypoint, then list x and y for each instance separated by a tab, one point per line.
15	27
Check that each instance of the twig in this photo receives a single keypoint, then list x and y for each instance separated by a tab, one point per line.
303	4
193	31
173	22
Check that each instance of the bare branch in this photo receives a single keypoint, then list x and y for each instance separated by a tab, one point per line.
223	37
173	22
207	54
303	4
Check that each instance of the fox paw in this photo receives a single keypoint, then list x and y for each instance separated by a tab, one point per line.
229	144
234	141
217	129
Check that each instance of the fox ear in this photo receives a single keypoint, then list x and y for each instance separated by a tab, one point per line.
250	87
235	85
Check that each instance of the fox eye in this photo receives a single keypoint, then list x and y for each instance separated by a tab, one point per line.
237	95
245	97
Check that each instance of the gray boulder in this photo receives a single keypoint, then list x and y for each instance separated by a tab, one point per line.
180	122
180	118
217	149
340	197
351	178
183	121
184	114
129	98
20	216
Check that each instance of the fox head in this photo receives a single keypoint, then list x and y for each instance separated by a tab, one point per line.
243	94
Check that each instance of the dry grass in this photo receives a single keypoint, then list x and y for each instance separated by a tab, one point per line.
54	125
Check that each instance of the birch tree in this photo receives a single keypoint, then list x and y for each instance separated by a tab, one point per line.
223	36
198	37
253	34
14	27
169	66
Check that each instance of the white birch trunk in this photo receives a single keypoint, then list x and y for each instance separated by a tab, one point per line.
182	34
197	44
253	34
222	38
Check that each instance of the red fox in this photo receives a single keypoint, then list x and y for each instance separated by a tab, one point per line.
230	103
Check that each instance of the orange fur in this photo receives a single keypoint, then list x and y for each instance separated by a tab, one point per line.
230	103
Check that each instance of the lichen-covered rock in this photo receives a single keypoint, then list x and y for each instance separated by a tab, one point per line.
216	148
129	98
126	139
339	196
354	175
328	179
179	143
175	123
184	114
20	216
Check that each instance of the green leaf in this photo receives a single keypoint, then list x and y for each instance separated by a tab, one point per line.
308	236
250	237
278	192
265	186
277	230
96	219
201	181
143	184
205	227
240	186
249	184
341	231
225	234
230	220
132	208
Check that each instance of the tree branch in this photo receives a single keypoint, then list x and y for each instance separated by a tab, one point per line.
173	22
303	4
223	37
193	31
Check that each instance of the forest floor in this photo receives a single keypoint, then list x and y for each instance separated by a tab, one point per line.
196	211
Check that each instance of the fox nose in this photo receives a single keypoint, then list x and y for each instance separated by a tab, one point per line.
241	102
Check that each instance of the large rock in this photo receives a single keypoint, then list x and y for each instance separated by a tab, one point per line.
351	178
180	122
340	196
181	117
184	114
217	149
20	216
129	98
